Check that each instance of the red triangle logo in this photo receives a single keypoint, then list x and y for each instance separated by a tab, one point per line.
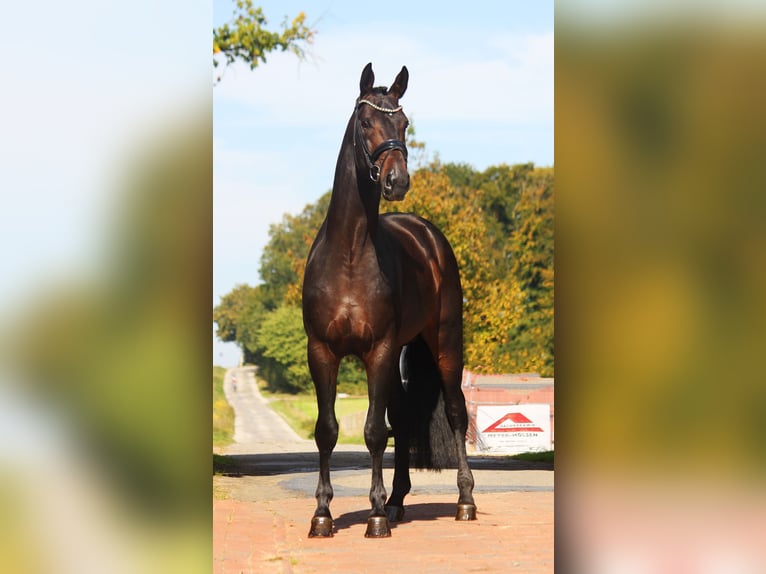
513	422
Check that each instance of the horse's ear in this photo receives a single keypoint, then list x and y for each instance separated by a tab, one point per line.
400	83
368	77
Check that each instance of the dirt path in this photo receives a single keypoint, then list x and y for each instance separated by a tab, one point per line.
262	509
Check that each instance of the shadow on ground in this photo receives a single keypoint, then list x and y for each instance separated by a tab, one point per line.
414	513
300	462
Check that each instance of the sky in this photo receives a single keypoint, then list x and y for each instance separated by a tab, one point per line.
480	92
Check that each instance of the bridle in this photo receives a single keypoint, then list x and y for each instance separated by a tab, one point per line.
387	145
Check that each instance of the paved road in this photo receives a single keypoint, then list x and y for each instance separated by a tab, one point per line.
257	428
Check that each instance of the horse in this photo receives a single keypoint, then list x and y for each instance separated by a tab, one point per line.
385	288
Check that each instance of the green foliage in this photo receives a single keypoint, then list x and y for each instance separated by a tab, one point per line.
352	378
282	339
237	317
531	250
543	456
246	39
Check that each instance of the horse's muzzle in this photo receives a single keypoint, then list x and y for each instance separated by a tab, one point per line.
395	185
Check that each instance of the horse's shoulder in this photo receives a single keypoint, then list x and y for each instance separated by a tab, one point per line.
420	239
407	221
413	227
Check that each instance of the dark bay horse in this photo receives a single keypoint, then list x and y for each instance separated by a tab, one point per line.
385	288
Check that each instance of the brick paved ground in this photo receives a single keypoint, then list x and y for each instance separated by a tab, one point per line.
513	533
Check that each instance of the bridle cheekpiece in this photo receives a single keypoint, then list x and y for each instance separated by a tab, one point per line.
387	145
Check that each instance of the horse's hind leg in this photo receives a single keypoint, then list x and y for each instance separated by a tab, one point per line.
324	370
454	406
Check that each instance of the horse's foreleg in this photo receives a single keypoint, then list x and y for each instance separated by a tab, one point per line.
381	370
324	370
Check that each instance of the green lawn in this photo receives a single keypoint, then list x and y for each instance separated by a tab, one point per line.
545	456
301	414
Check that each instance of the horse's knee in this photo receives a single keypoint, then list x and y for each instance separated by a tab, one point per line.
326	432
375	435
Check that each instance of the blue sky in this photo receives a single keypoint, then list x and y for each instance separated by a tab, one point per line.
480	92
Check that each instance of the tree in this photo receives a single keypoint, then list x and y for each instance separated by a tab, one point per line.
518	205
531	249
282	339
246	39
238	316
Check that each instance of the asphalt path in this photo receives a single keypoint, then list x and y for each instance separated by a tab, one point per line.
257	428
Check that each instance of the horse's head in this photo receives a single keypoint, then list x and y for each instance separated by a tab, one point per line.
380	127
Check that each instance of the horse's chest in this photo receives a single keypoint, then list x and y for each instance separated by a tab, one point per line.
361	314
351	313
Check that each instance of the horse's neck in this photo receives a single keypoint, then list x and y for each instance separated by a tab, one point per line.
352	217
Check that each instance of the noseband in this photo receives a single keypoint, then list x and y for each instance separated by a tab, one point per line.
372	158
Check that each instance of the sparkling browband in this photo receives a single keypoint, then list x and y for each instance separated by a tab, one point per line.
380	109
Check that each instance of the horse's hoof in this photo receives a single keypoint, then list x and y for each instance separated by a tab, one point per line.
321	527
377	527
466	512
394	513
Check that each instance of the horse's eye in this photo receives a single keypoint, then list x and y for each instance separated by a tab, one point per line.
366	124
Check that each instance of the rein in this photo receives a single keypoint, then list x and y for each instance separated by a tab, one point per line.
387	145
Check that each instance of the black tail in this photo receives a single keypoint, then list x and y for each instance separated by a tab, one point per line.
432	443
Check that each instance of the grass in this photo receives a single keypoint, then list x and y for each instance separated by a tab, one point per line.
300	412
223	414
545	456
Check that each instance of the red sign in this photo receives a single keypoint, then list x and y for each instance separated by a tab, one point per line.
513	422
